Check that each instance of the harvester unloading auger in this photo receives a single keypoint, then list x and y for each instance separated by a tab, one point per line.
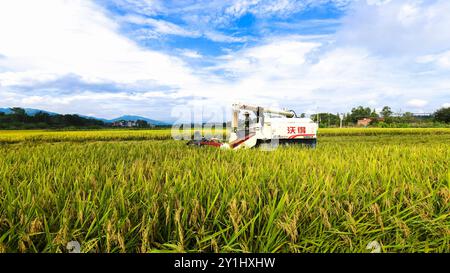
271	127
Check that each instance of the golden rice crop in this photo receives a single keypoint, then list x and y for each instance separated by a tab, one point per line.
33	136
113	192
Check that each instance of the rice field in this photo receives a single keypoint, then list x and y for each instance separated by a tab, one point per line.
34	136
141	191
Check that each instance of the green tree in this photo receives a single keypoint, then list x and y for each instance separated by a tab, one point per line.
361	112
386	112
326	119
374	114
42	117
142	124
408	117
18	111
442	115
19	114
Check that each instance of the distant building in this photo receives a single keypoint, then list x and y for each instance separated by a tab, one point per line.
422	115
417	115
364	122
125	123
132	123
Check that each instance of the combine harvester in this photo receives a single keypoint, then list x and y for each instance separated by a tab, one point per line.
271	128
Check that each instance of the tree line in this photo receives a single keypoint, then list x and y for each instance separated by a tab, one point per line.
19	119
385	118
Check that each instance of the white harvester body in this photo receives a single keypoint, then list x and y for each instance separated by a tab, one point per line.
270	127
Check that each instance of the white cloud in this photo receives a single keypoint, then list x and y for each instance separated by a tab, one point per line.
75	37
161	26
220	37
445	105
278	57
417	103
442	60
377	2
191	54
33	100
240	7
408	14
308	73
264	8
51	39
147	7
402	27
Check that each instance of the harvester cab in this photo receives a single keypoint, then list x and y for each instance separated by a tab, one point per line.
268	127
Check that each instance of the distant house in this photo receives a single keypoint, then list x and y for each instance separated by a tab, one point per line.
132	123
125	123
364	122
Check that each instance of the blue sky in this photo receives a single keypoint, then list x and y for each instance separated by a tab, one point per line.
106	58
212	28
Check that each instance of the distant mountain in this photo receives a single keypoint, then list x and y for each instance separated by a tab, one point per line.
28	111
5	110
135	118
32	112
101	119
